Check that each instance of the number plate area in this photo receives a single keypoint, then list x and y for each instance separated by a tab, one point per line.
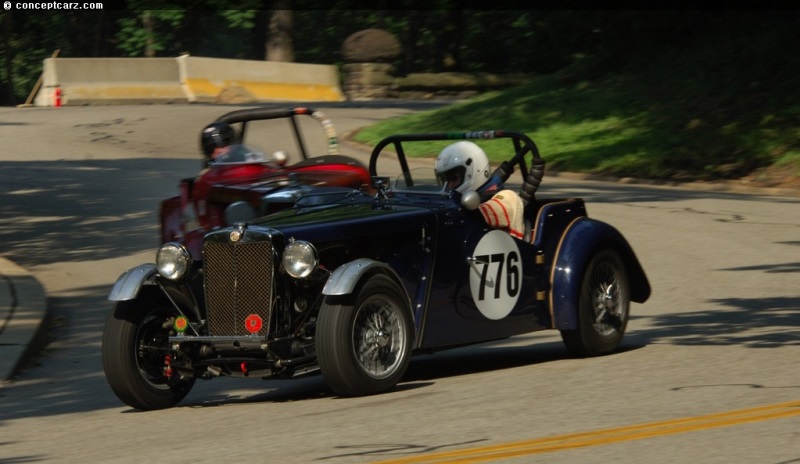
495	275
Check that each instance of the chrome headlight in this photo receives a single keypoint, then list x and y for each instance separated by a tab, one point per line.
300	259
173	260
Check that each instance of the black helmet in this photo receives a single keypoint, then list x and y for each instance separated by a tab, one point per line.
216	135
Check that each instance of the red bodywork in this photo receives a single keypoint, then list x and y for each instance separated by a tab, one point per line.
200	206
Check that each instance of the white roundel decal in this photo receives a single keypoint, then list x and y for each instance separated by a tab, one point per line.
495	275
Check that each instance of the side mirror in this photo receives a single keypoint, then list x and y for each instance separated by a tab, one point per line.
380	182
471	200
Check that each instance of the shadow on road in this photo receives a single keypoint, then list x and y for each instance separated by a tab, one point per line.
749	322
80	386
67	211
64	212
607	192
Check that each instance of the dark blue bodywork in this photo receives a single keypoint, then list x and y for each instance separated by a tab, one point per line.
353	282
426	240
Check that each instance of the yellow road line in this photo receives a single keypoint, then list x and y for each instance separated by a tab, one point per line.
606	436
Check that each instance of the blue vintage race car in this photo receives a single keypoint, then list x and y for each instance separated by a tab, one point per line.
353	283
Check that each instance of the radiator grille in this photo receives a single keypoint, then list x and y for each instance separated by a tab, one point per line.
238	281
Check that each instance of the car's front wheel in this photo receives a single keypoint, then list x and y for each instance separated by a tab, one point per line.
136	356
365	347
603	307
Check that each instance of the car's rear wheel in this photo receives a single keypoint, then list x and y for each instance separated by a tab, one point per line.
365	347
136	355
603	307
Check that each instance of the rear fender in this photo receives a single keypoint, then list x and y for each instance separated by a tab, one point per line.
580	241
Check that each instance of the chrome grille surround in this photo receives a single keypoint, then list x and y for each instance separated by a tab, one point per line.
239	268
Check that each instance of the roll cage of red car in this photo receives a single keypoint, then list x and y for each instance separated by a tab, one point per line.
260	114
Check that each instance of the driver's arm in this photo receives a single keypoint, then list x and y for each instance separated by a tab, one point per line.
505	211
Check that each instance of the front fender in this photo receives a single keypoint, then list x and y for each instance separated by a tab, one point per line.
345	278
130	282
580	241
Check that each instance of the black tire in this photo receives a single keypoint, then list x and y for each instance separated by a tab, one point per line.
364	348
603	307
135	375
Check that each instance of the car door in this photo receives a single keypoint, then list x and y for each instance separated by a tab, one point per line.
486	284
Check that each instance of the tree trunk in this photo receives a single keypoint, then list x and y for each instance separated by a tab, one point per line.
458	39
409	42
147	24
8	55
279	33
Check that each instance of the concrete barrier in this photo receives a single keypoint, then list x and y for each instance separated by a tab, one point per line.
244	81
92	81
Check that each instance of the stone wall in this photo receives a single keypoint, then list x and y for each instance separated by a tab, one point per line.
374	81
367	81
368	74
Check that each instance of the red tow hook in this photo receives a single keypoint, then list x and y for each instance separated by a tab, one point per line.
243	366
168	366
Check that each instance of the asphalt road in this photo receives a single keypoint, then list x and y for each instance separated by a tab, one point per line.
708	371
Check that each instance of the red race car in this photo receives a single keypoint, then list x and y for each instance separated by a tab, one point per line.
239	182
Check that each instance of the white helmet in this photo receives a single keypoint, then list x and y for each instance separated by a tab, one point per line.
462	166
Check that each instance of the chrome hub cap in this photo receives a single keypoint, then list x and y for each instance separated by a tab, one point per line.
378	337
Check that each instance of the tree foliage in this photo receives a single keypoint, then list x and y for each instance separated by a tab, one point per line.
148	33
435	35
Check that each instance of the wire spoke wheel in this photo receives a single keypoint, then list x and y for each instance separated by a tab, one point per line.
378	337
136	357
364	346
603	307
152	343
604	292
